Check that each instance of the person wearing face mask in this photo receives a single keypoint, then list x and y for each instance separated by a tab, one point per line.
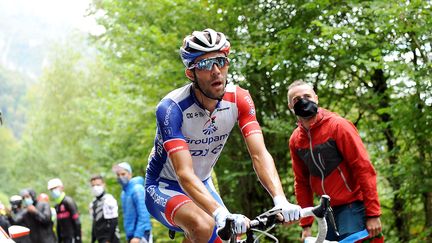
104	212
37	217
329	157
18	215
16	208
68	221
136	218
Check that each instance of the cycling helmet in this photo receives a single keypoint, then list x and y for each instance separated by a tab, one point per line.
53	183
15	199
201	42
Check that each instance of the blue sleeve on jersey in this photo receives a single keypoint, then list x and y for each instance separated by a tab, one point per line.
169	118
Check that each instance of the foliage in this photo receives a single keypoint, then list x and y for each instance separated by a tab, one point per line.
13	87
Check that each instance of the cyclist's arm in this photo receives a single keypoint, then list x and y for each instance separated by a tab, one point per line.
190	183
262	160
264	165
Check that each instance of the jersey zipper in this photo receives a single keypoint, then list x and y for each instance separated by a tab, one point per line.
315	162
344	179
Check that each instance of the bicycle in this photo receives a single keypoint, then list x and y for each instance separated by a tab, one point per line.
268	220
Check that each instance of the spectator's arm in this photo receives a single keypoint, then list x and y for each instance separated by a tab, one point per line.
43	213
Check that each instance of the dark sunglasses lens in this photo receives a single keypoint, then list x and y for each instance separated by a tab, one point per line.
208	63
205	64
221	61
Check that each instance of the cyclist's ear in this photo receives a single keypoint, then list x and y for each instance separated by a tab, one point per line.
189	74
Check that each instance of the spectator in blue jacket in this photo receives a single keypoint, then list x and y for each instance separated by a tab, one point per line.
136	218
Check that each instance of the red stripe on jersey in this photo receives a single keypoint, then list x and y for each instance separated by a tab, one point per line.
251	128
229	96
63	215
218	240
173	205
247	113
175	145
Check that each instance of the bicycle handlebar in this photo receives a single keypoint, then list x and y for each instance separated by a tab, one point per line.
269	219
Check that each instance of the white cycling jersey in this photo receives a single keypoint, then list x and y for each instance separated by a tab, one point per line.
183	124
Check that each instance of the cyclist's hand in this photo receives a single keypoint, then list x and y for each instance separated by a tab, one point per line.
290	212
241	222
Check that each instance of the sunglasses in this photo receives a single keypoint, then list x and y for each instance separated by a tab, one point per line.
207	64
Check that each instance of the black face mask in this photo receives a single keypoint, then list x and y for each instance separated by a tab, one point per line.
305	108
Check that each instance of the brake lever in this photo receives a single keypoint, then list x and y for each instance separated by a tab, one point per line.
266	219
332	220
271	212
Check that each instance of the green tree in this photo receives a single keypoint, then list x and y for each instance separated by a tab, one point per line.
8	148
13	87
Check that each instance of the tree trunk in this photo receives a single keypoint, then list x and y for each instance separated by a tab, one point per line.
428	208
380	87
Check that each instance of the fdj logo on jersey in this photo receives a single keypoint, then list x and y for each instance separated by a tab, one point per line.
210	127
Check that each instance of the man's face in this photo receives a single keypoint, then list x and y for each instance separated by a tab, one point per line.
213	81
301	91
97	182
59	188
123	173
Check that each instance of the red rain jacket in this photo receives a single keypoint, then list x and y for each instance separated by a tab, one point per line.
330	158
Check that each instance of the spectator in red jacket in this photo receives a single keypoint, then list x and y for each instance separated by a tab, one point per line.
329	158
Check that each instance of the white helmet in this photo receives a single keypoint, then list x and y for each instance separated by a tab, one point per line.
53	183
15	198
201	42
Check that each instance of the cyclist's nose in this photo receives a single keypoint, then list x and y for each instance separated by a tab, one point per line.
215	69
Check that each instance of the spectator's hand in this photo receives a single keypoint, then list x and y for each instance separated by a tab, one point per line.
241	222
306	232
135	240
373	226
290	212
31	209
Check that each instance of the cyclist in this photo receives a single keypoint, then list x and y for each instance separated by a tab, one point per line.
193	124
329	158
